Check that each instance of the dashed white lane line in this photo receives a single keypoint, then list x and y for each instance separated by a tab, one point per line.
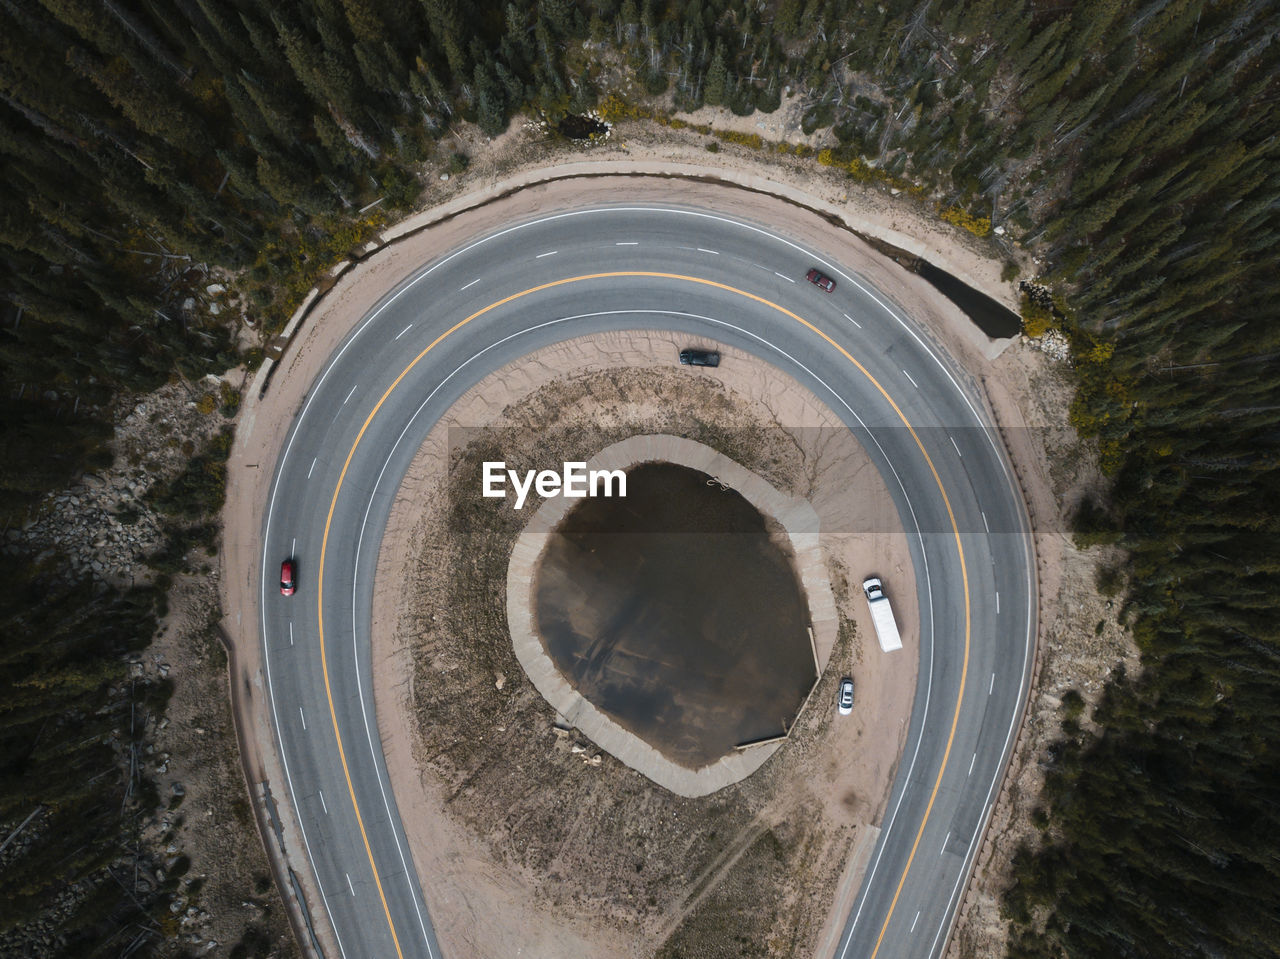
944	844
853	321
915	920
784	276
985	523
714	252
971	762
991	688
323	805
349	886
351	394
469	285
548	253
997	602
313	467
304	719
913	382
627	243
293	547
404	331
953	443
290	632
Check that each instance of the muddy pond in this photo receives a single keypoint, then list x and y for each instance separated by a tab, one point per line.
676	612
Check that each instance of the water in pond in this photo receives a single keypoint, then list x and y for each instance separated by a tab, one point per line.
994	319
674	612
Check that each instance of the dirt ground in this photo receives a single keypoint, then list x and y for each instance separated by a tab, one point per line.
543	829
228	896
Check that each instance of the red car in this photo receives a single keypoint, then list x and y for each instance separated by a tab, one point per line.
288	581
820	280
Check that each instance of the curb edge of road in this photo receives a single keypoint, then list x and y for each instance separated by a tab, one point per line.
295	906
888	243
982	857
292	885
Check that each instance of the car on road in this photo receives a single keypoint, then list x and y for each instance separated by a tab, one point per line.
845	699
692	357
288	578
820	280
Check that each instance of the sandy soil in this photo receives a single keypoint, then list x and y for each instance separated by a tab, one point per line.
492	728
520	161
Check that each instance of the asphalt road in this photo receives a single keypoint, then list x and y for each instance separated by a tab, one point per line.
721	282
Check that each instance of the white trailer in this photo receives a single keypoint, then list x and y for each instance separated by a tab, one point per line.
882	615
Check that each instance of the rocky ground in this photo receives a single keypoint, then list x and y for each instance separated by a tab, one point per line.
104	523
202	834
227	902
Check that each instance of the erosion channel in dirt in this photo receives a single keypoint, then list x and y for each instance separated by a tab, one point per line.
526	834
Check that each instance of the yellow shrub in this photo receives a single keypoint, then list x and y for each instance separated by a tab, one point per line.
977	225
753	140
614	108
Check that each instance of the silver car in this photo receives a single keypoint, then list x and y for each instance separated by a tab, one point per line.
845	700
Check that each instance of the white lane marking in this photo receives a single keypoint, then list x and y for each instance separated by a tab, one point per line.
992	687
304	718
290	632
549	253
915	920
410	284
944	843
915	754
313	467
953	443
404	331
349	886
971	762
715	252
1029	630
262	600
913	382
469	285
627	243
784	276
293	549
997	602
351	394
985	524
323	805
853	321
1028	570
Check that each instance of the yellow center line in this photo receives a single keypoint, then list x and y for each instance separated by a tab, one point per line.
324	546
